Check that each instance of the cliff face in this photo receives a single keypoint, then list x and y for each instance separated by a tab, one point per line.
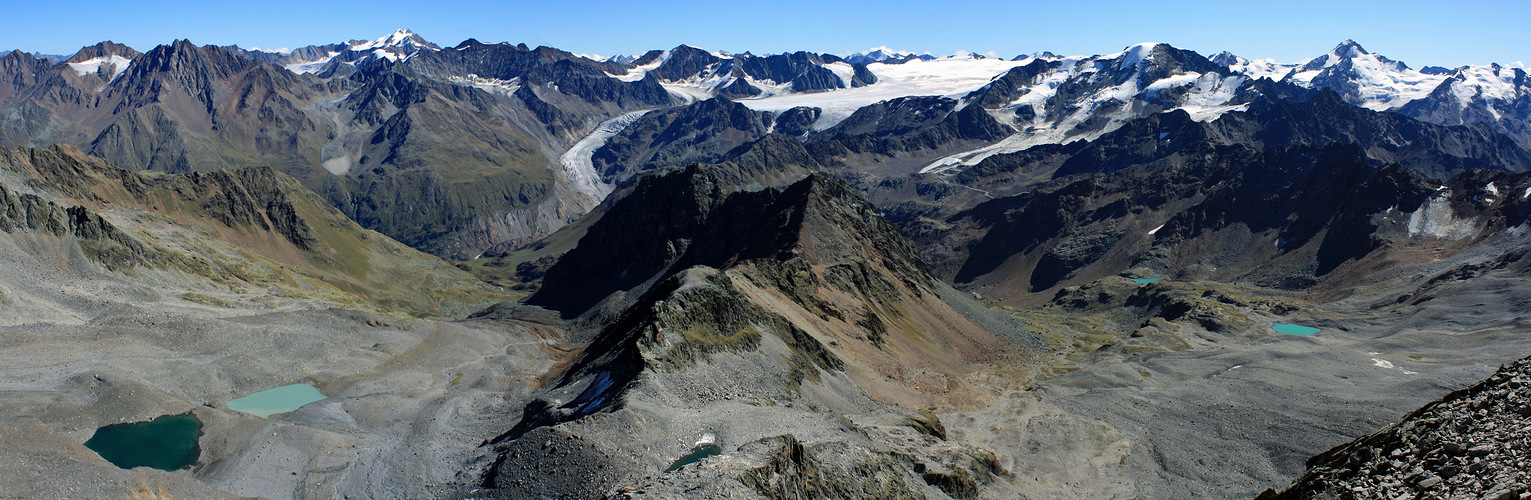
1473	443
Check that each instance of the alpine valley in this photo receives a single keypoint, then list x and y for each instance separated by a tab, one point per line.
517	272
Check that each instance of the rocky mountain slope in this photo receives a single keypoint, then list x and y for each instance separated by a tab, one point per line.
1286	218
1471	443
800	303
247	236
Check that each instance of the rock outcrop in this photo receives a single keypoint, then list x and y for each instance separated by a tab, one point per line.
99	238
1473	443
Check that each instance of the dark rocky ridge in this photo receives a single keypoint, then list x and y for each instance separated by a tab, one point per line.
571	74
1473	443
1309	212
797	121
711	130
250	197
648	224
23	72
685	219
101	240
1434	150
239	227
804	70
740	88
700	132
907	124
775	160
705	273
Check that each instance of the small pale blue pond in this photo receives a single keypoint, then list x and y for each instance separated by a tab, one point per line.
697	454
1293	329
1145	281
279	400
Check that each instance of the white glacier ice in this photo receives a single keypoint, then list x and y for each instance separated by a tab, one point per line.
578	167
950	77
119	64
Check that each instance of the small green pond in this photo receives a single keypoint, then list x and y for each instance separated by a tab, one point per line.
697	454
278	400
1145	281
165	443
1293	329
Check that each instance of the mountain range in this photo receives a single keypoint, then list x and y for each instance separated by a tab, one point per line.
474	148
521	272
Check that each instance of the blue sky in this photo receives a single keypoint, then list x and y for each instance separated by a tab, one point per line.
1419	32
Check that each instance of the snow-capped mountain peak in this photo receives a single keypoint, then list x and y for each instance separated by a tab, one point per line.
1227	58
1351	52
883	54
105	55
878	54
1365	79
1461	96
1133	55
396	46
402	39
1349	48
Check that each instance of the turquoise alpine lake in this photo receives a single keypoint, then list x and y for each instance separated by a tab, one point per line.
1293	329
697	454
1145	281
168	442
279	400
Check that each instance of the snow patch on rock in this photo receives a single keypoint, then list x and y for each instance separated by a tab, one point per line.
92	65
1435	219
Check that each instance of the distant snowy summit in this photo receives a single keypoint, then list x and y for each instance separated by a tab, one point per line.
403	40
1362	78
884	54
106	59
401	44
1493	93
